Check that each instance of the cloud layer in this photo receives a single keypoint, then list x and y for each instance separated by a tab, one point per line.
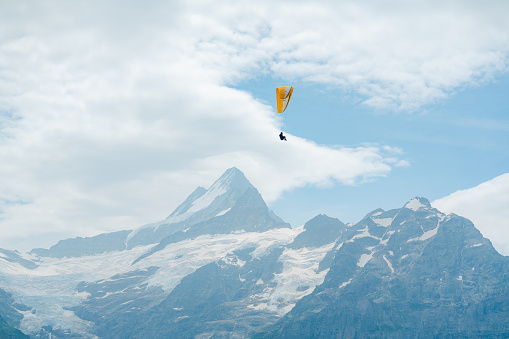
486	205
111	113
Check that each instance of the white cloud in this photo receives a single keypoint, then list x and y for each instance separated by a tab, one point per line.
112	113
486	205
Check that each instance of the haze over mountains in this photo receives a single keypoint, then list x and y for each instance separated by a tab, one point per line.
223	265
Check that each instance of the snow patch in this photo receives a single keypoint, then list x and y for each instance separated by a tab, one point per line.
223	212
82	295
364	259
232	260
429	234
426	235
365	234
345	283
388	263
386	240
414	204
259	307
384	222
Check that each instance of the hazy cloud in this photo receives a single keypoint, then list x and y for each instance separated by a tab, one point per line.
486	205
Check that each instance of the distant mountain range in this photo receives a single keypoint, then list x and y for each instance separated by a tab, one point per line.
222	265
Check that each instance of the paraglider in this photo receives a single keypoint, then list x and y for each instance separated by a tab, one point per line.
283	95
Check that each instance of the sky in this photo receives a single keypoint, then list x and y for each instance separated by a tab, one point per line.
112	113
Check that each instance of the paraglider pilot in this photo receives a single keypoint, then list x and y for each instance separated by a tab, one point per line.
282	137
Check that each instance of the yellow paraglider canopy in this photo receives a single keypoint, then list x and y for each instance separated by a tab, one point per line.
283	95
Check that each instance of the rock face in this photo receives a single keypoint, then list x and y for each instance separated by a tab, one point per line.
10	315
223	265
9	332
407	273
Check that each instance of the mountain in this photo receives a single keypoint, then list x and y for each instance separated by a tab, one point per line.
223	265
407	273
232	203
79	286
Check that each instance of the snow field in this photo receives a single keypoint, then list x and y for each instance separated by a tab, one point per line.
299	278
51	287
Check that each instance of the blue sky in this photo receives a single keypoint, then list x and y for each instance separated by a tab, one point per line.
456	143
111	114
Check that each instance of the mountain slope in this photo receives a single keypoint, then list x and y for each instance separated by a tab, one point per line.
412	272
10	311
179	290
223	265
9	332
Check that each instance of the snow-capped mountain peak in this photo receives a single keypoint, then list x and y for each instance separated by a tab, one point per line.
232	180
223	200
